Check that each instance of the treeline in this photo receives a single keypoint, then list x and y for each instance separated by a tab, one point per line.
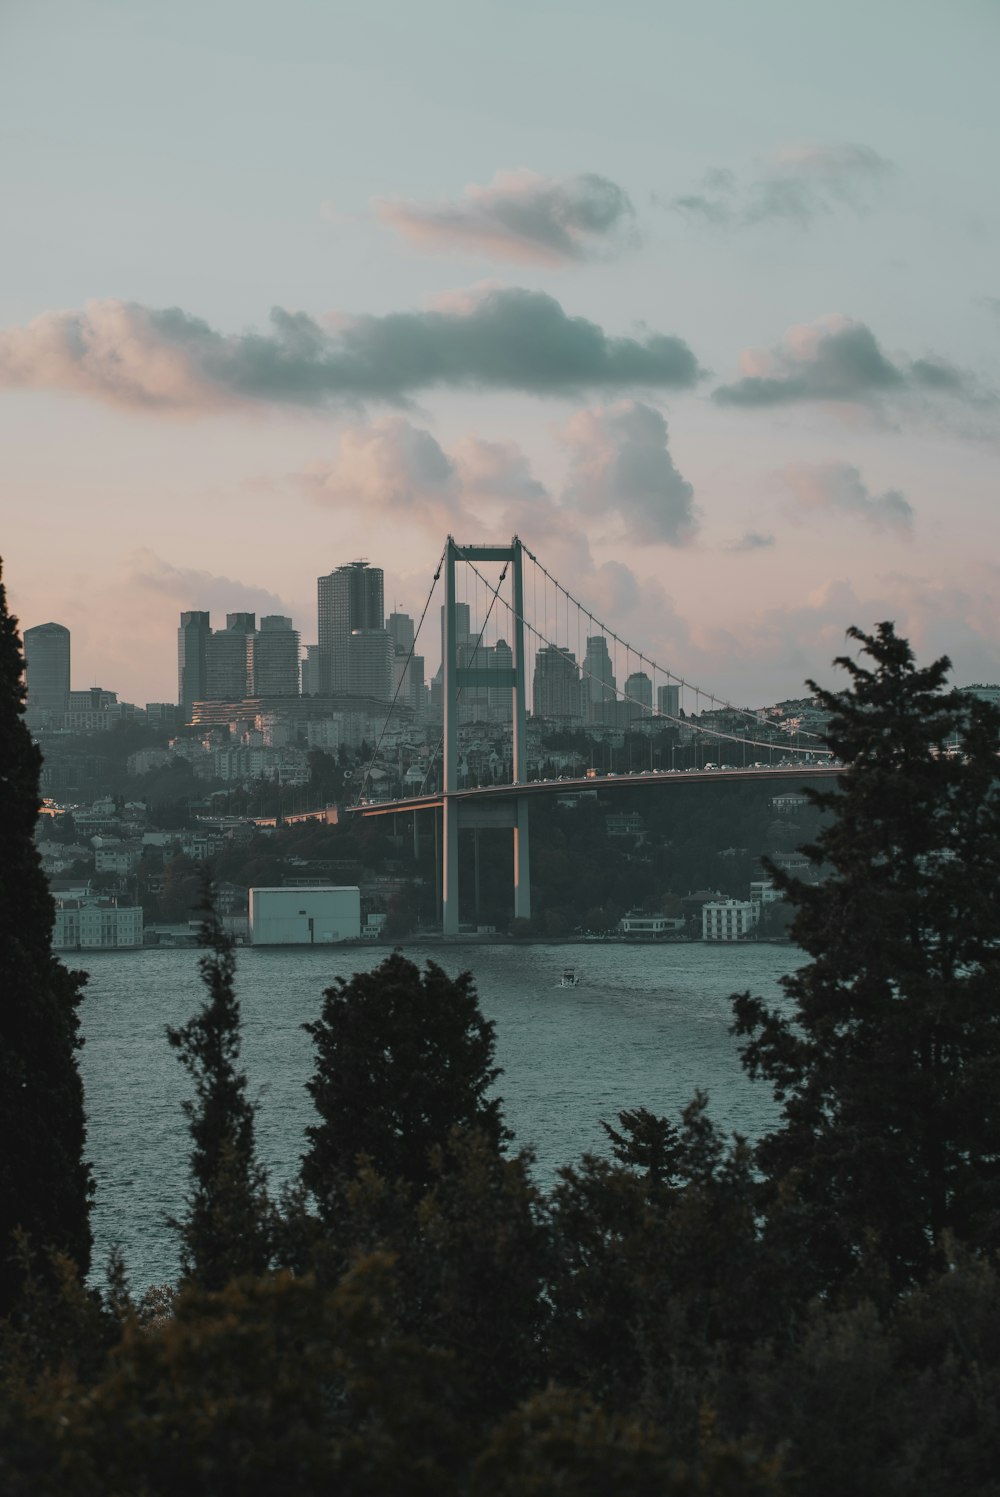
816	1314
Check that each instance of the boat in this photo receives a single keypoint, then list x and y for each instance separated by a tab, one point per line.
570	978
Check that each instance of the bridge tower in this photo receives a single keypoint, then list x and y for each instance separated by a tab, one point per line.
454	813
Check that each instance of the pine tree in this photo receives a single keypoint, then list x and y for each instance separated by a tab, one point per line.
227	1228
888	1064
403	1057
45	1184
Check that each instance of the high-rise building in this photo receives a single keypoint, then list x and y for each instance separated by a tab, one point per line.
500	697
556	686
309	671
370	660
668	700
350	597
226	659
599	686
401	628
463	635
639	695
192	665
272	656
46	654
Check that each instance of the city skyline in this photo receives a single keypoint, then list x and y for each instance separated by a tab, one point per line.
723	348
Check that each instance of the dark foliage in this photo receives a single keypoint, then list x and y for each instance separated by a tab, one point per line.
45	1185
226	1230
402	1058
888	1066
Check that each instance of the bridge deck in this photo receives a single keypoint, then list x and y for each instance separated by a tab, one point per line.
626	781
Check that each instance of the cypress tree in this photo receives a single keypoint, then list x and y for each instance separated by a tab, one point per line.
403	1057
226	1230
45	1184
887	1064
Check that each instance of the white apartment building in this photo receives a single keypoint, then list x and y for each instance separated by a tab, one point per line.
728	919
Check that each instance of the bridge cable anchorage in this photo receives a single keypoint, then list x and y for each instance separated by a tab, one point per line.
720	702
495	591
402	678
717	734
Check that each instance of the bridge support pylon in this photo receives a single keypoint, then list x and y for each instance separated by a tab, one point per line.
455	677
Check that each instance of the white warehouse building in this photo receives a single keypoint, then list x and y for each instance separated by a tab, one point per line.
304	917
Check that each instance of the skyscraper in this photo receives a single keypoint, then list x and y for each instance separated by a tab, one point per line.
350	597
370	664
598	680
226	659
46	654
272	656
192	665
401	629
556	686
638	695
668	700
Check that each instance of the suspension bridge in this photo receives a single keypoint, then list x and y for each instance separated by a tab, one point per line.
521	624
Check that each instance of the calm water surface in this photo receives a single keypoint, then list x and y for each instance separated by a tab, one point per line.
646	1027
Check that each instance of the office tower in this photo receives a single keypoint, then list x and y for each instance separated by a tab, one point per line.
401	629
370	657
463	635
639	695
272	656
349	598
556	686
91	699
309	671
668	700
598	689
192	672
408	681
162	716
46	654
500	697
226	659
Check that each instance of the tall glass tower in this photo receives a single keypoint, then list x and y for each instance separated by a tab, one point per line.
46	653
349	598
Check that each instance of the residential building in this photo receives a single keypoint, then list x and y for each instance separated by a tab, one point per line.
47	654
309	671
729	919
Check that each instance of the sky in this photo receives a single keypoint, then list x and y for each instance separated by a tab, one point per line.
701	301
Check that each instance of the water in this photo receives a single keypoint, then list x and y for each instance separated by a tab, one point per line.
647	1026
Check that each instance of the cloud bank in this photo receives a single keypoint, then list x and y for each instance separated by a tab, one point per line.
198	589
619	465
620	460
492	338
799	184
838	488
521	216
838	359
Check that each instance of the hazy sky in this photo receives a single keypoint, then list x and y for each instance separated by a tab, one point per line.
702	300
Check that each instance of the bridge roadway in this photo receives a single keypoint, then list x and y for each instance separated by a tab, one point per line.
627	780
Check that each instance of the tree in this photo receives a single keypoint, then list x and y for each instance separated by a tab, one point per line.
888	1065
226	1231
402	1058
45	1185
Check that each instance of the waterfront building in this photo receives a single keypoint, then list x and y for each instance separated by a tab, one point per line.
46	654
96	925
728	919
